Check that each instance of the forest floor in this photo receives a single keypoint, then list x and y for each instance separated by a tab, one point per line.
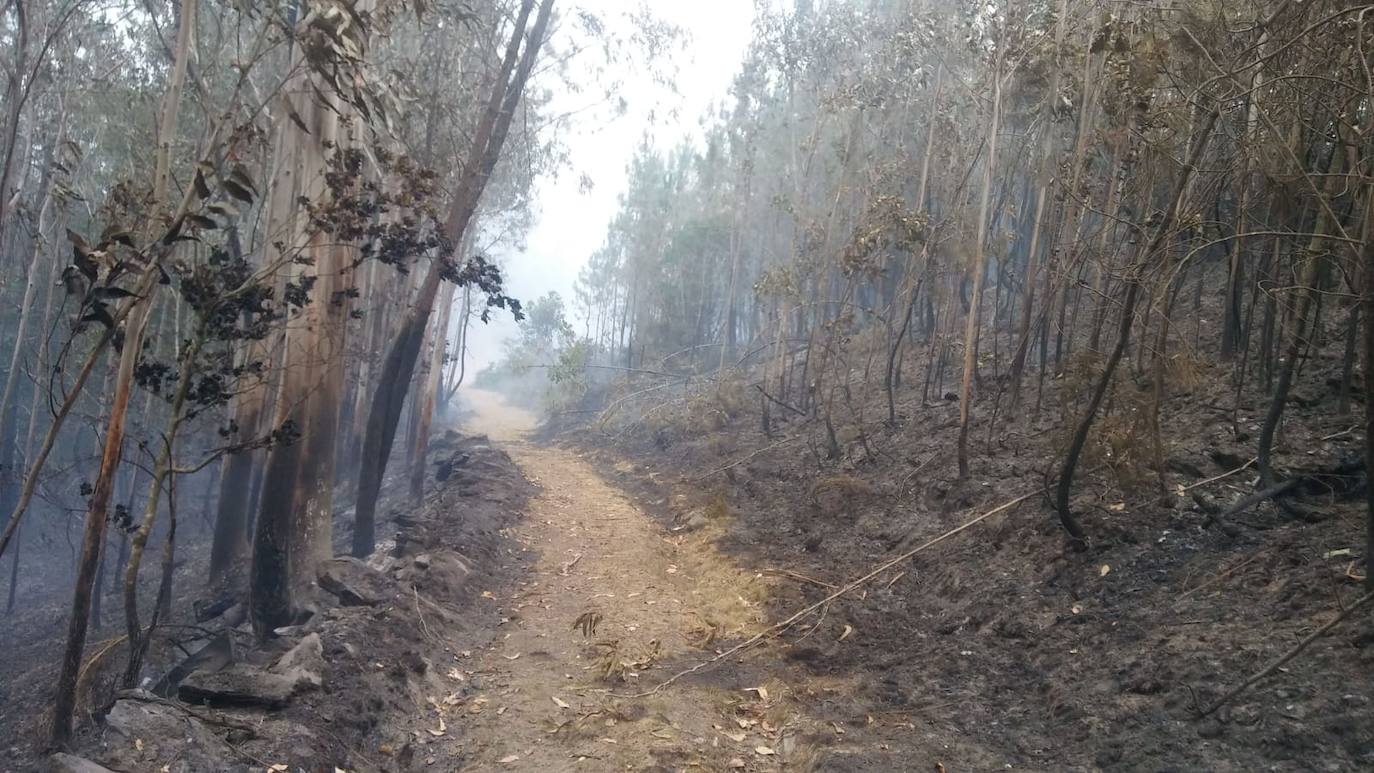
596	620
1004	647
564	696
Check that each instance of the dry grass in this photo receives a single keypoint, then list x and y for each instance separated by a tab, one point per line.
834	494
617	661
1121	438
724	598
718	509
1187	372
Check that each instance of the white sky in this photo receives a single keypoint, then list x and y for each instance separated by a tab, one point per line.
571	224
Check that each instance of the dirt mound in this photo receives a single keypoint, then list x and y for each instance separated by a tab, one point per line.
357	685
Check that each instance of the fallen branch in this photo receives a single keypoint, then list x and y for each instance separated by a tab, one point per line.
609	411
778	402
886	565
1287	656
914	472
744	458
209	717
1342	433
799	576
1272	492
1215	478
1225	574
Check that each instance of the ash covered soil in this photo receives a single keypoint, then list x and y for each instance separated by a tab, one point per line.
525	618
1004	647
577	605
366	682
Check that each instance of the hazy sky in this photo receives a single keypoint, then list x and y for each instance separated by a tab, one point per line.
571	224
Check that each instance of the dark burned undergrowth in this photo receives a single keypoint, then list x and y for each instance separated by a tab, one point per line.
1011	644
364	683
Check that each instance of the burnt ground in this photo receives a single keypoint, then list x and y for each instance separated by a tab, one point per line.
359	686
1004	647
524	618
648	549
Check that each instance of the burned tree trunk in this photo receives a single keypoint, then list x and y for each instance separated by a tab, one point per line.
1133	287
429	395
136	321
393	379
294	525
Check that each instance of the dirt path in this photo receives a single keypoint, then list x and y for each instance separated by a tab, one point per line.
546	695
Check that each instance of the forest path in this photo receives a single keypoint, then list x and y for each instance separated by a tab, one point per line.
543	700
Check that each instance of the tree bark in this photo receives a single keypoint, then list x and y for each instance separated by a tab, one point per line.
399	365
979	267
429	394
16	88
135	323
1368	301
241	474
1133	286
294	528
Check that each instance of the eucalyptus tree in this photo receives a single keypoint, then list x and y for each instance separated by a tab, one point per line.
1062	170
522	51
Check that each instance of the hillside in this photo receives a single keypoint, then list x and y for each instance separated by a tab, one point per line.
1011	642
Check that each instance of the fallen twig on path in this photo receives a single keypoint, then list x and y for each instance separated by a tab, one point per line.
421	615
1287	656
886	565
799	576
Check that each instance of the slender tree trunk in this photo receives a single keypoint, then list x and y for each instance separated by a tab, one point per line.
7	488
979	267
1106	258
14	573
50	438
16	90
1352	336
379	289
1230	320
916	273
135	323
456	380
399	365
294	528
27	307
1309	277
428	395
162	471
1368	302
96	518
1133	287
